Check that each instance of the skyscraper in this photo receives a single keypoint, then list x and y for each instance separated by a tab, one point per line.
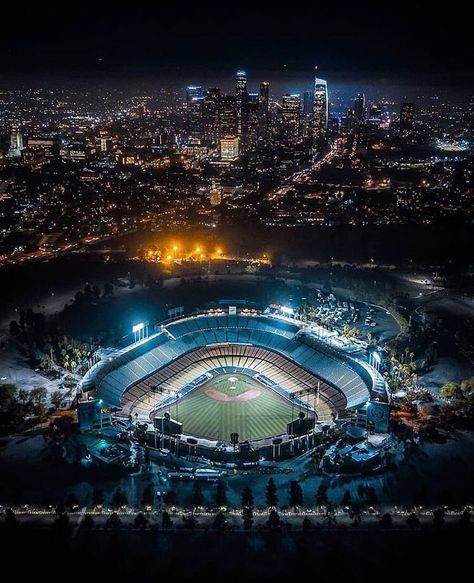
227	115
240	96
230	148
359	108
250	122
308	102
211	115
16	144
407	117
264	111
308	105
320	110
194	113
291	116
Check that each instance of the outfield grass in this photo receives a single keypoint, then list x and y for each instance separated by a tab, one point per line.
213	417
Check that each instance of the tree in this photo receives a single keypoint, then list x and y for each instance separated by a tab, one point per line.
221	494
38	397
247	515
97	497
467	387
56	399
8	396
119	498
451	391
413	521
198	498
346	499
295	494
321	495
170	498
271	494
220	522
72	502
371	498
166	522
247	498
148	495
274	522
88	522
114	521
140	521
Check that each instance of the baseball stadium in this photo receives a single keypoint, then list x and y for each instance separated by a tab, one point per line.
222	384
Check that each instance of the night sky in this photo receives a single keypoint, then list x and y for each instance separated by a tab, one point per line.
393	38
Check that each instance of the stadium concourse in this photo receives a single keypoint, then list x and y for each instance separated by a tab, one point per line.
284	372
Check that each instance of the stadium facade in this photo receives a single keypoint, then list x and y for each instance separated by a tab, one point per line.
248	385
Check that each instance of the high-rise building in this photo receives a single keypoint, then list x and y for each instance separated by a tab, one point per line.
291	116
320	109
227	115
240	96
308	105
359	108
16	144
308	102
264	111
407	117
375	112
250	122
194	114
347	121
211	116
230	148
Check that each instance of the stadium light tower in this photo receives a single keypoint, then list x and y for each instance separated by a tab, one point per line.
375	359
138	331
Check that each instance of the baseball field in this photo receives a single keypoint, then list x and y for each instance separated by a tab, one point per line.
233	403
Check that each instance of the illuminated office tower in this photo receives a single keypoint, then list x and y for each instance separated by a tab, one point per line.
375	112
230	148
308	104
16	144
250	122
211	116
359	108
227	115
194	113
240	96
407	117
264	111
320	108
291	116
